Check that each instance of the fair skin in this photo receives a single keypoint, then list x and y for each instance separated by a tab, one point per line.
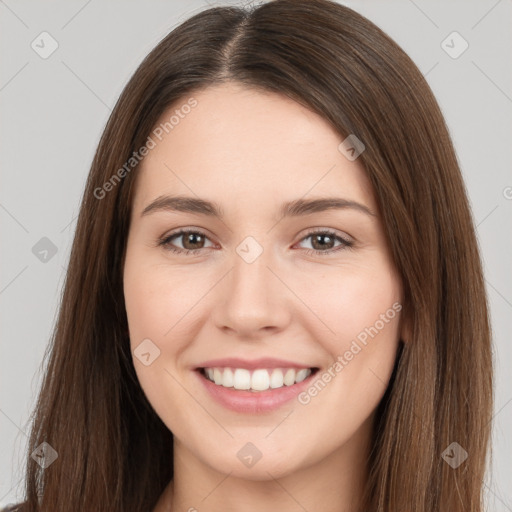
250	152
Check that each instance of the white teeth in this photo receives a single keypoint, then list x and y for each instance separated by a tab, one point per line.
259	380
276	379
217	376
228	378
289	377
301	375
242	379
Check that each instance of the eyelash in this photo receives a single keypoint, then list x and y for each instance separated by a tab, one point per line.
165	242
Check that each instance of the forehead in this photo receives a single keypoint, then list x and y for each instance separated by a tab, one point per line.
241	142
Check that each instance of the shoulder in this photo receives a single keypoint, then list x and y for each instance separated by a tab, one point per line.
11	508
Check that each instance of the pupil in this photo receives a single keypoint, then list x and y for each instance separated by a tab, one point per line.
316	239
190	239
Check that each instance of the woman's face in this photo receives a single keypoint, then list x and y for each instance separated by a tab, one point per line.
290	307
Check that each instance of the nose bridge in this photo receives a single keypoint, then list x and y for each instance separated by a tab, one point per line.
251	290
251	276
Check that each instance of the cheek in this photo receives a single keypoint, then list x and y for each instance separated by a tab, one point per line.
158	302
156	307
351	300
361	306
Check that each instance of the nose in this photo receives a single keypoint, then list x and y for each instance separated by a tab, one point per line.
251	299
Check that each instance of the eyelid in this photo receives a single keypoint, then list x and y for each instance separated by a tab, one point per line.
347	241
337	232
304	233
183	231
188	229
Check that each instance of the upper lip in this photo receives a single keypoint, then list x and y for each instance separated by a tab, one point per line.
263	362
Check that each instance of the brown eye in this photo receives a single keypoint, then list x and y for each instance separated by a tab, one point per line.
323	242
192	241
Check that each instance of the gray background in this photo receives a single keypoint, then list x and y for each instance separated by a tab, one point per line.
54	110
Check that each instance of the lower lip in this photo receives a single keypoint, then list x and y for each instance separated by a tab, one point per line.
253	402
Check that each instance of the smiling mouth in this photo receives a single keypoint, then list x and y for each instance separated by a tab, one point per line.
257	380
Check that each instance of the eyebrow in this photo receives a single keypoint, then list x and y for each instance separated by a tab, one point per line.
296	208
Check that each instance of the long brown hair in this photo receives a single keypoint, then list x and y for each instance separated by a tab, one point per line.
114	452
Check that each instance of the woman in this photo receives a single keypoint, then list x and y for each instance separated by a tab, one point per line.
205	358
